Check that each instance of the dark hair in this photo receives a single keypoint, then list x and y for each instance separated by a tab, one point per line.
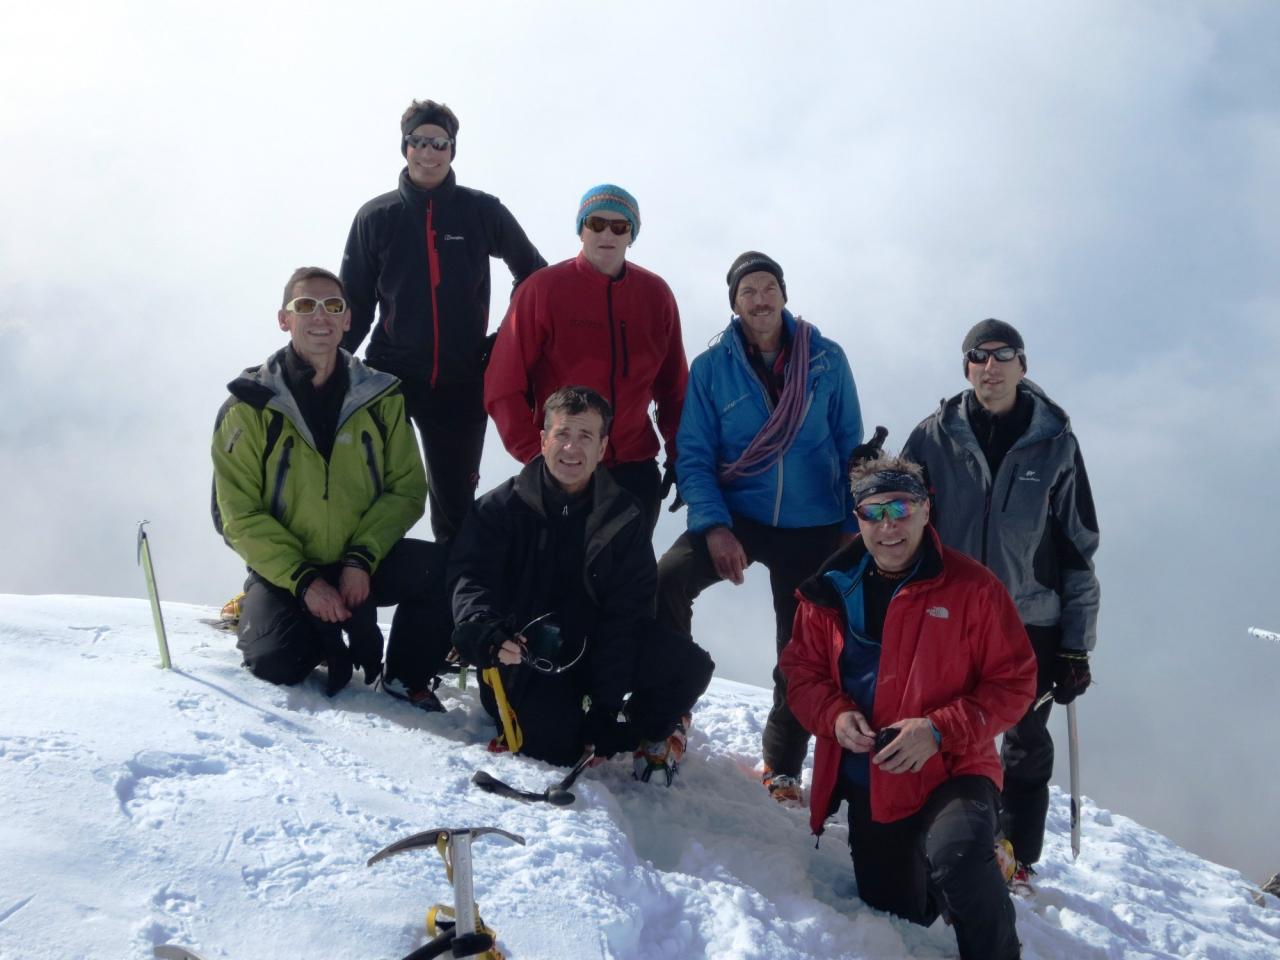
576	400
310	273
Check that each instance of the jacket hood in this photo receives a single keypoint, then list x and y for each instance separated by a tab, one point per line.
265	386
819	590
1048	420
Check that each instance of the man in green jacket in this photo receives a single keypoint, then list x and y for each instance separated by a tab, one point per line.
317	478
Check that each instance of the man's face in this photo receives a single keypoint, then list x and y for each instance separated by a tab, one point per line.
428	166
572	446
318	333
759	304
606	250
995	383
893	544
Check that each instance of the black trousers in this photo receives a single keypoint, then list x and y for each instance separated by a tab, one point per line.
282	642
792	555
1027	754
669	674
643	479
452	422
941	858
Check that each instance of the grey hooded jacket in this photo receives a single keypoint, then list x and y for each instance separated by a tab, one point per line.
1033	524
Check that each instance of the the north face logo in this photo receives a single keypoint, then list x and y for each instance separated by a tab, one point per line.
1029	475
942	613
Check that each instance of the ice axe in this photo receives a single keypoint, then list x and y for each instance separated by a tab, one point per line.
1073	751
557	794
467	937
144	560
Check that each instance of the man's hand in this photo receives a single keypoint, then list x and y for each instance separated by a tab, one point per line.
353	585
853	732
909	750
1071	675
509	652
325	603
727	555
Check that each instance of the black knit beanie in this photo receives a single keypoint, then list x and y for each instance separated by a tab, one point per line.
751	262
992	329
428	111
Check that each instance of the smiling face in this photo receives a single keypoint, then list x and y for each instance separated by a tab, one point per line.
894	544
316	335
995	383
428	166
572	445
759	304
606	250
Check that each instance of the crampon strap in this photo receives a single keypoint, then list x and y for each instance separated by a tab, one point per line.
442	917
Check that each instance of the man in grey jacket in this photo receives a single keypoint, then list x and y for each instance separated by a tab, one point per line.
1009	488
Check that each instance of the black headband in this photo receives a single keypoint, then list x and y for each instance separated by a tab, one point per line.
889	481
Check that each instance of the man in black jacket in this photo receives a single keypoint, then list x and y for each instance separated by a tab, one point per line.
563	539
420	254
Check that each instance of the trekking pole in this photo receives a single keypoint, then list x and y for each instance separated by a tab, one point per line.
1073	747
144	559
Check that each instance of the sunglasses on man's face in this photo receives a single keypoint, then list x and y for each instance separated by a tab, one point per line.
305	306
600	224
435	143
1003	354
892	510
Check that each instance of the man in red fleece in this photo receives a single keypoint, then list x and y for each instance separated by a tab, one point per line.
602	322
906	662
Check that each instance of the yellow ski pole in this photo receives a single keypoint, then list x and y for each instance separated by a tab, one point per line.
144	559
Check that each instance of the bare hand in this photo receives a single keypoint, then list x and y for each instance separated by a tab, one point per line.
325	603
853	732
353	584
510	653
909	750
727	555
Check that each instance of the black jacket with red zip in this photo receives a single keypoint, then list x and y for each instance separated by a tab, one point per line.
421	257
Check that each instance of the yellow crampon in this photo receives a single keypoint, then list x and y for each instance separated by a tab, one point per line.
441	916
510	725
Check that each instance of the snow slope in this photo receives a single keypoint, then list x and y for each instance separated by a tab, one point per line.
203	807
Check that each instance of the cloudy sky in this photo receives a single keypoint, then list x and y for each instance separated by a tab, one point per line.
1103	176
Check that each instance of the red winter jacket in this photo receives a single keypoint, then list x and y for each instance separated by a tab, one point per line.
954	650
570	324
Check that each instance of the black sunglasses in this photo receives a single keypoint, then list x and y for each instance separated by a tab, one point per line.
1003	354
600	224
435	143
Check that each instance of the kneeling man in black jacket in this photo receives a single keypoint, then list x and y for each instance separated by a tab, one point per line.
554	579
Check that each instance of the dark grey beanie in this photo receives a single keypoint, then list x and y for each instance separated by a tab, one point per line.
991	329
751	262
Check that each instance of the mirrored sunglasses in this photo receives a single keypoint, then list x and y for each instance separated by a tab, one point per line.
893	510
303	306
435	143
600	224
1003	354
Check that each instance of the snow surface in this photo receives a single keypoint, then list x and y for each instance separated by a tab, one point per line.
204	807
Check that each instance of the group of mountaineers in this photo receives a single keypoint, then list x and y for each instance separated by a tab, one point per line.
925	603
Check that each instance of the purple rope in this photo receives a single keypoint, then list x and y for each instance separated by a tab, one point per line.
774	439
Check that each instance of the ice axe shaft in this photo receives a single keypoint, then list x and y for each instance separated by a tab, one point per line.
1073	748
144	559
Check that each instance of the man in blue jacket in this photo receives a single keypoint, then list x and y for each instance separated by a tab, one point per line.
770	420
420	256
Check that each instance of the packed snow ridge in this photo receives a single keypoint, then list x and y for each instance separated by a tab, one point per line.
203	807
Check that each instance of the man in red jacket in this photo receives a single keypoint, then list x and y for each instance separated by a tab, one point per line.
906	661
602	322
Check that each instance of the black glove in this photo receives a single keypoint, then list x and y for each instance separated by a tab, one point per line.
366	651
478	642
669	481
603	731
869	450
1071	676
337	657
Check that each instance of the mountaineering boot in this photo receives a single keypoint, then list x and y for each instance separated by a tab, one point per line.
661	760
1017	875
783	788
230	612
424	698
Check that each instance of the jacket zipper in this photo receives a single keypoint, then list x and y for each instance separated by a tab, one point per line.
613	348
433	270
282	470
372	460
1004	507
